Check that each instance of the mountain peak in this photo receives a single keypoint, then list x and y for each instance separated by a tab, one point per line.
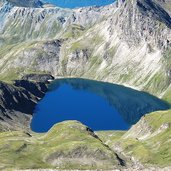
151	7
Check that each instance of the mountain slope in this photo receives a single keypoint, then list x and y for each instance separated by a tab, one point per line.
71	145
152	136
147	143
127	42
124	43
68	145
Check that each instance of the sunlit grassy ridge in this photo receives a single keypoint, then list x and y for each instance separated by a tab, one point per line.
71	145
155	147
149	141
68	145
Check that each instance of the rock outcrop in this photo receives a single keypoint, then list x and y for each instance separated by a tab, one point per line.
18	100
38	77
166	4
144	20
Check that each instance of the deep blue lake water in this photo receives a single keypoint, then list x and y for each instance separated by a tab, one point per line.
79	3
99	105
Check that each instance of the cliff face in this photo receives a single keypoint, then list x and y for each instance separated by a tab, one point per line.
144	21
17	102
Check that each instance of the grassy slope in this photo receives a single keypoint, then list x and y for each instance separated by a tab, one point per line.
149	141
156	149
69	142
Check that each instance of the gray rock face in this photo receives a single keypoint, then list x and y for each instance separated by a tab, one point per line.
38	77
148	7
46	23
10	98
41	57
17	103
144	20
36	88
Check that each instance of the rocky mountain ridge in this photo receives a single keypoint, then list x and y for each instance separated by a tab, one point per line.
18	100
129	42
145	24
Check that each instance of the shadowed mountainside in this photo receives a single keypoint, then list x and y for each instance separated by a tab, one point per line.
17	102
